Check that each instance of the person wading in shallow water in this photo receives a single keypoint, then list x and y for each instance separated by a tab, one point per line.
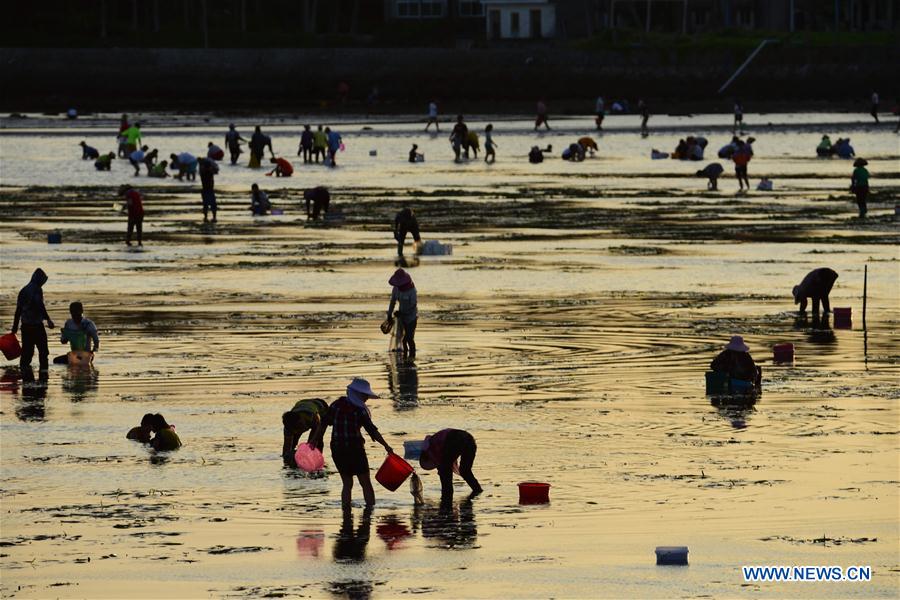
404	293
304	416
816	285
405	222
31	312
346	416
441	450
735	360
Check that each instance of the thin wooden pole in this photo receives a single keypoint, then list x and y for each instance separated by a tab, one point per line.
865	293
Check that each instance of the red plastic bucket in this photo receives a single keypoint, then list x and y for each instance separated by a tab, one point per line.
9	345
842	317
784	352
393	472
533	492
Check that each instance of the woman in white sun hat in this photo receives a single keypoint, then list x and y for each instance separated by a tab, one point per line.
735	361
346	416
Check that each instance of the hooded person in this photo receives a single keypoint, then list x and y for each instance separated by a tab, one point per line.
441	451
31	313
404	293
347	416
735	361
816	285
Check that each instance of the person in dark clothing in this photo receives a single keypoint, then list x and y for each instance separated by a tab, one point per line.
164	438
644	111
735	360
259	201
346	416
306	144
143	432
134	204
233	141
208	170
859	185
712	171
258	144
816	285
441	451
414	153
32	313
304	416
405	222
88	152
458	137
319	198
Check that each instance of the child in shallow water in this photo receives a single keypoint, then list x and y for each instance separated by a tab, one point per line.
141	433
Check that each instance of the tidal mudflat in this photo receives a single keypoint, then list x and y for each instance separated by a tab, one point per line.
569	332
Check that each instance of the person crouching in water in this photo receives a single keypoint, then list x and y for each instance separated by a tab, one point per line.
164	437
259	201
736	362
346	416
143	432
404	293
79	332
441	450
304	416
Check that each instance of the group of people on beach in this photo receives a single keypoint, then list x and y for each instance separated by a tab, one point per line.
448	450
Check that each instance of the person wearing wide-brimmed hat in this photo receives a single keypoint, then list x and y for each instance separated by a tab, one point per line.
859	184
346	416
816	285
735	360
404	293
441	450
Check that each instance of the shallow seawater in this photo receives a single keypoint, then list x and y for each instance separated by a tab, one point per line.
569	332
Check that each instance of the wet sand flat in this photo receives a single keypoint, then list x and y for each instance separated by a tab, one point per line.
569	332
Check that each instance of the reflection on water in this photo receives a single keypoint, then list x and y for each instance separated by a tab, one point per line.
352	589
403	382
393	531
451	525
34	392
736	414
80	382
310	542
350	544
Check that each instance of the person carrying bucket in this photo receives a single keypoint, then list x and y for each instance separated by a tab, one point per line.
816	285
32	313
736	362
346	416
404	293
441	451
304	416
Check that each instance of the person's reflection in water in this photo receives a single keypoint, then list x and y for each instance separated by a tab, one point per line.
735	411
403	382
821	332
79	382
350	545
452	526
34	392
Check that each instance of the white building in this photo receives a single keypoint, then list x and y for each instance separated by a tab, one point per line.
519	19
